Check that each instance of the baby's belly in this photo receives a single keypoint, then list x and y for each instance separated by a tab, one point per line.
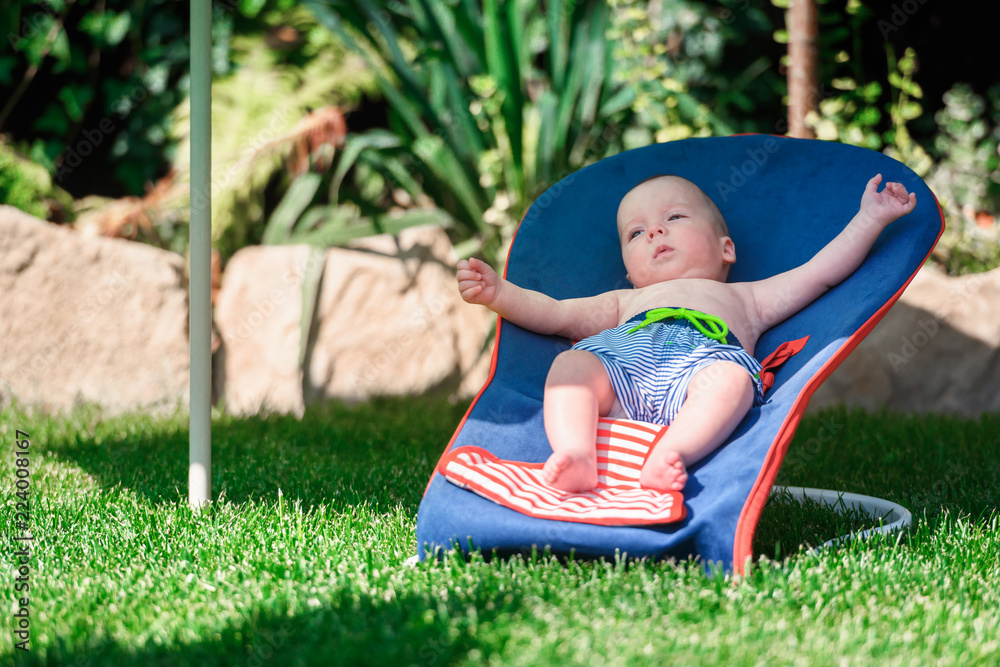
708	296
733	320
727	312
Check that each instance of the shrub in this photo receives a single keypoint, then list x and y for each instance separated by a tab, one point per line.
696	70
94	84
966	179
28	186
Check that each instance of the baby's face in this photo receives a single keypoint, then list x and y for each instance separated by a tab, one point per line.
667	232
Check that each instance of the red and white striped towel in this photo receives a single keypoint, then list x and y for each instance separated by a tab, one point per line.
617	500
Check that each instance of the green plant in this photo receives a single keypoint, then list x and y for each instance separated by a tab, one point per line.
93	85
28	186
20	185
966	179
902	109
296	220
261	119
672	56
849	110
487	106
967	147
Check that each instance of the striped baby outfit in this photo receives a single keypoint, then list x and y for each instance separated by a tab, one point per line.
651	367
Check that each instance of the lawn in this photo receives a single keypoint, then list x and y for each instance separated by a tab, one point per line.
302	559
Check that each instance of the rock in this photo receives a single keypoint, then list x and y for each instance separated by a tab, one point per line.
94	320
257	316
391	320
936	350
388	321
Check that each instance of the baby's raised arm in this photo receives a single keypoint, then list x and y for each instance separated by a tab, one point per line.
573	318
783	295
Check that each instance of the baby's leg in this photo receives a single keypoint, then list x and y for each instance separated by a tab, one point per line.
718	397
577	392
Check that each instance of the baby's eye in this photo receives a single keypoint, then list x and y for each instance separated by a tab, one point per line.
634	233
673	216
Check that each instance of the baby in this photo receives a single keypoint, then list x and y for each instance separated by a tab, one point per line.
678	348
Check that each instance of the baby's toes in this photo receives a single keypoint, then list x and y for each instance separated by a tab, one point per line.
556	463
680	481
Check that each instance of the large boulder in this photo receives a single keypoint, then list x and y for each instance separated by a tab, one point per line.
936	350
388	320
93	320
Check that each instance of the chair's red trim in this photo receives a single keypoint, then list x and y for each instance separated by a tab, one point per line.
489	378
754	506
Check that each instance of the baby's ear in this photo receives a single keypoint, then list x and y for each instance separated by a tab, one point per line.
728	250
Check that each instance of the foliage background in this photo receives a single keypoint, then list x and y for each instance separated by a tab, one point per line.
492	79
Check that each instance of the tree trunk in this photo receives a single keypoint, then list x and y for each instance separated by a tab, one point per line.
803	87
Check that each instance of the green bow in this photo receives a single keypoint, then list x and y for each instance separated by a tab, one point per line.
695	317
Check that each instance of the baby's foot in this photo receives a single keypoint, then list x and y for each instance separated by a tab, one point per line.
570	473
663	472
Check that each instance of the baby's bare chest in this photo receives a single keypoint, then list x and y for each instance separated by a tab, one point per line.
728	301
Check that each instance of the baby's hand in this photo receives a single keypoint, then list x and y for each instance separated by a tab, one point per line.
477	281
884	207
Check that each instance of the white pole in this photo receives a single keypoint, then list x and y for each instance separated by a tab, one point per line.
199	290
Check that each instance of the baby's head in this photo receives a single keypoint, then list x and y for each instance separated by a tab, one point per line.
670	229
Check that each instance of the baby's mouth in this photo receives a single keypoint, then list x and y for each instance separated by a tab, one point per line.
661	249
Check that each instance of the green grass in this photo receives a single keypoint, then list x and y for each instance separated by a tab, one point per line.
124	573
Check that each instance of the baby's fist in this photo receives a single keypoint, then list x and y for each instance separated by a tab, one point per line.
884	207
477	281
